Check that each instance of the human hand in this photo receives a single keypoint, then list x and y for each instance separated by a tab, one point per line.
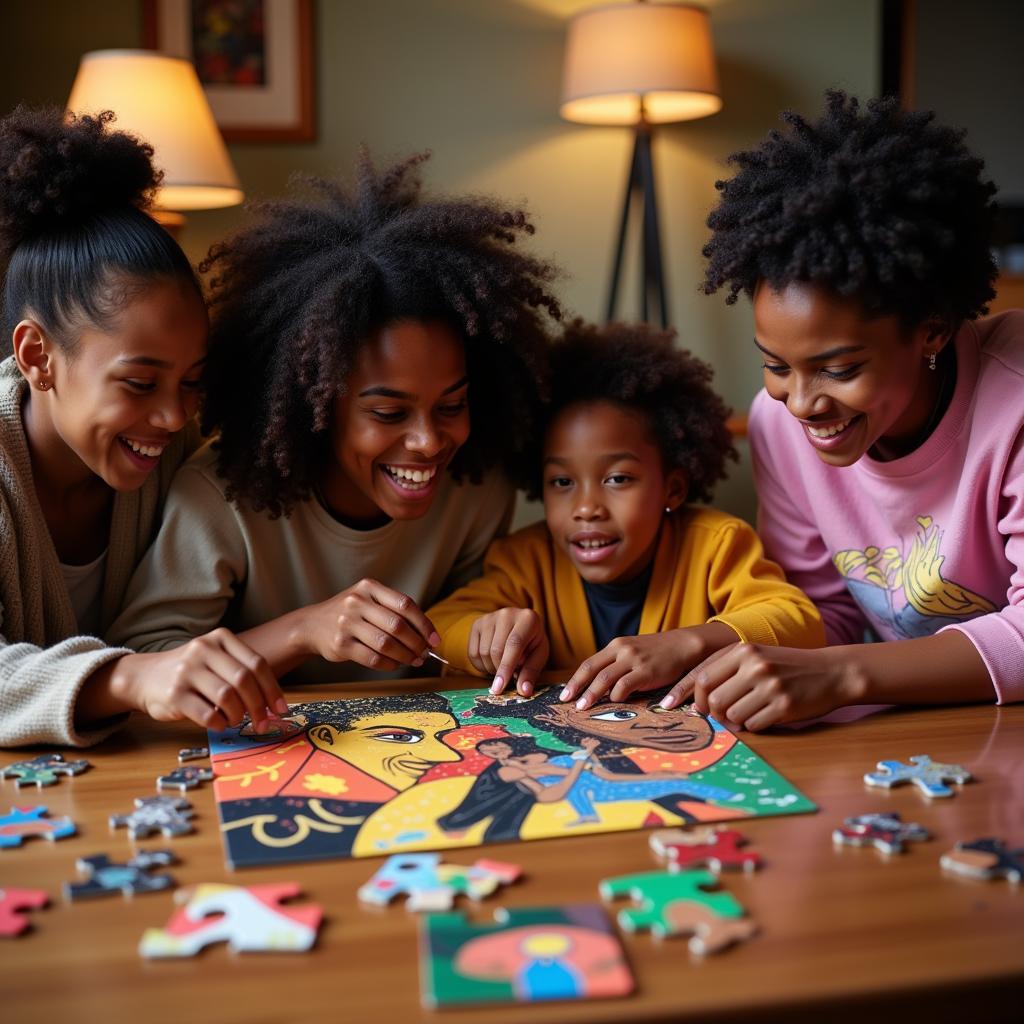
213	680
635	663
506	641
370	624
754	686
590	744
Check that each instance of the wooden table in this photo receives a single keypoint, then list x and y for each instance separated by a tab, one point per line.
844	932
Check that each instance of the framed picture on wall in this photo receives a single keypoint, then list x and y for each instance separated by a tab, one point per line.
254	59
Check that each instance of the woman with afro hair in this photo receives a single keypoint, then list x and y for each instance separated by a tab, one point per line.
626	585
376	359
888	442
108	334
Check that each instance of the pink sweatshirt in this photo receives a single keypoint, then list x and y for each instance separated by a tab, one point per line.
931	541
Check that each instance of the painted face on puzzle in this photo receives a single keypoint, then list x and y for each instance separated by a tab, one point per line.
402	417
395	748
857	385
636	725
121	394
606	489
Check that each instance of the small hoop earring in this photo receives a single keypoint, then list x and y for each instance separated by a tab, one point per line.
931	361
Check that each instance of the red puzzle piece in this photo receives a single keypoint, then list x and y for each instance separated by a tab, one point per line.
13	902
718	850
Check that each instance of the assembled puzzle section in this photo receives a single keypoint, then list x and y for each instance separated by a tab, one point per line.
529	954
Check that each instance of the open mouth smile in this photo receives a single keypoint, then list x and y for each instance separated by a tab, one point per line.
411	481
593	547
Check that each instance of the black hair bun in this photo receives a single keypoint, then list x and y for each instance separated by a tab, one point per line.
60	169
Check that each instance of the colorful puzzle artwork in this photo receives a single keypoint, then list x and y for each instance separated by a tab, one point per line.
431	885
43	770
249	919
929	776
985	859
24	822
428	771
13	904
531	954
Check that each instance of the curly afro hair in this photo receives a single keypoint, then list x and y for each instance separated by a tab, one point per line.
297	293
881	205
72	224
638	367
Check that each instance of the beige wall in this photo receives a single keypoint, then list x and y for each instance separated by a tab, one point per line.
477	82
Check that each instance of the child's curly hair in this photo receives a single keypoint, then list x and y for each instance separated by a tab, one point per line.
639	367
297	292
882	205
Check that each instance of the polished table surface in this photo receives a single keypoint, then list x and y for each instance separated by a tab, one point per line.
844	932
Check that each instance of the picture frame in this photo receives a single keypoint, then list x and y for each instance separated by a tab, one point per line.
254	58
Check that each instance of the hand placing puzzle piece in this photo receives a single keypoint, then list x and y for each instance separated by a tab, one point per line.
185	777
107	877
985	859
14	903
249	919
718	849
166	814
929	776
42	770
24	822
431	885
886	832
678	903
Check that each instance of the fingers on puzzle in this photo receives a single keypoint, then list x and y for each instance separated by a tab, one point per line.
929	776
24	822
169	815
133	876
885	832
717	849
985	859
43	770
431	885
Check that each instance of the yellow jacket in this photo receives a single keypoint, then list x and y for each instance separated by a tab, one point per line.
709	567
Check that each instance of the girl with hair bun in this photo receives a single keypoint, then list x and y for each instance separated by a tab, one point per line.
108	334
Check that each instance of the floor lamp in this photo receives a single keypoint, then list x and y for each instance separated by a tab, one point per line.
640	64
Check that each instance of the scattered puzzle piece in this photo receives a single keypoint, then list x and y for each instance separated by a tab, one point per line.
24	822
249	919
184	778
678	903
431	885
107	877
929	776
193	754
167	814
886	832
986	859
718	850
42	770
13	903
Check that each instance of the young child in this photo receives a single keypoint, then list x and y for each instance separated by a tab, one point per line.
889	440
375	360
625	585
108	331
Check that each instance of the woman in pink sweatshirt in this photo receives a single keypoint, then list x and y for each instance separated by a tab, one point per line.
888	441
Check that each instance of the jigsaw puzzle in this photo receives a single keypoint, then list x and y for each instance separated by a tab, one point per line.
249	919
431	885
530	954
185	777
426	771
929	776
107	877
169	815
885	832
14	903
25	822
717	849
193	754
43	770
986	859
679	903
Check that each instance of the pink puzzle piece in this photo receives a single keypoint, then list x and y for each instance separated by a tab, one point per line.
249	919
706	847
13	903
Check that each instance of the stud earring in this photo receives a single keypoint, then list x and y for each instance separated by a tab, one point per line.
931	361
44	385
668	508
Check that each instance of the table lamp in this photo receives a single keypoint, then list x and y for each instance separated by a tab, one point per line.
159	99
640	64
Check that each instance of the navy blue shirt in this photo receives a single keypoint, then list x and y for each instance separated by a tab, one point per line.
616	608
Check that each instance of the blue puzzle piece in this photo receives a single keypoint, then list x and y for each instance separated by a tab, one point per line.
107	877
24	822
929	776
42	770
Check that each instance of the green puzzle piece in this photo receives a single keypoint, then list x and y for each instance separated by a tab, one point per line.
42	770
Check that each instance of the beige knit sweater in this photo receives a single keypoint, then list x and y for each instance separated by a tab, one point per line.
43	664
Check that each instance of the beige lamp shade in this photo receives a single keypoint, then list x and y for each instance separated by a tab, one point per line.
619	56
159	99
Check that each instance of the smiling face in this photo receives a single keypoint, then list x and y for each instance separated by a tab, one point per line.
636	725
401	419
395	748
857	385
114	401
605	490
